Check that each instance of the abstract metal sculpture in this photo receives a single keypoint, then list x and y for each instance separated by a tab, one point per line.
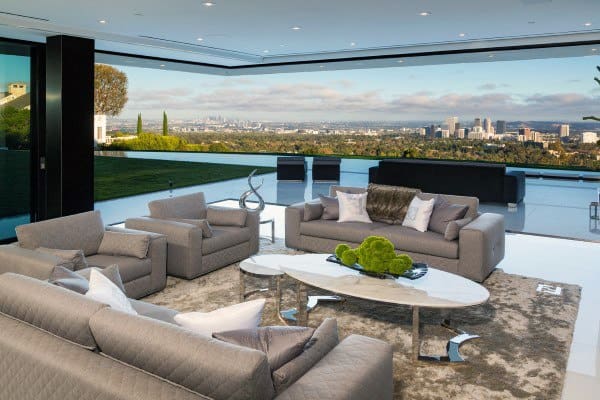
253	191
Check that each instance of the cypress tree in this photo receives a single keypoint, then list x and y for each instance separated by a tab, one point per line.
139	124
165	124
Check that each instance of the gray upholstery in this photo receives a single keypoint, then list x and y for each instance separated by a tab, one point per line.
39	366
202	364
358	368
475	254
124	244
74	232
54	309
225	216
85	231
57	344
189	254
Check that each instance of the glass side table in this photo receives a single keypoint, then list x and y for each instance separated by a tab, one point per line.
272	222
594	210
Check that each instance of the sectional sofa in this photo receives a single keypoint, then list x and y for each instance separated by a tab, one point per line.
59	345
475	254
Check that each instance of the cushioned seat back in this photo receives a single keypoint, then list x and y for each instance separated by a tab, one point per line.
51	308
192	206
205	365
74	232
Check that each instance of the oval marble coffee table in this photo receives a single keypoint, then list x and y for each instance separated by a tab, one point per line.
437	289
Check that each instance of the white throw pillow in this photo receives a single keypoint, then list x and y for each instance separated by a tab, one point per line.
239	316
353	207
104	291
418	214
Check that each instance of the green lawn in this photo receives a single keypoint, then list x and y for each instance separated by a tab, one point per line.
115	177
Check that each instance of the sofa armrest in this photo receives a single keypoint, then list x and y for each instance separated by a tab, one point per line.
358	368
27	262
481	246
294	215
253	222
514	186
157	253
184	243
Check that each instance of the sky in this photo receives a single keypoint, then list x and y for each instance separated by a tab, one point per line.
559	89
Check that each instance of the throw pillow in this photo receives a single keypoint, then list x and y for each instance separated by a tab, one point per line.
200	223
111	272
224	216
322	342
281	344
454	227
419	212
312	211
443	213
389	204
71	259
104	291
353	207
239	316
125	244
65	278
331	207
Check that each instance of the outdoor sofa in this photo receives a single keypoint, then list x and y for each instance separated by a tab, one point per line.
60	345
475	254
191	252
141	275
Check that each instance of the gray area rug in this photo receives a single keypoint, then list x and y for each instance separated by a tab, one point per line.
522	352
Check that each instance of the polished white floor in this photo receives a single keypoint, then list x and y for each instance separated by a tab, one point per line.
558	260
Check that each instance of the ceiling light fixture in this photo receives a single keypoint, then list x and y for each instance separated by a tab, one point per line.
296	28
462	34
102	21
208	4
588	24
425	13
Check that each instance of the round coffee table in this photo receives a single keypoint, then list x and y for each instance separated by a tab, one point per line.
437	289
268	266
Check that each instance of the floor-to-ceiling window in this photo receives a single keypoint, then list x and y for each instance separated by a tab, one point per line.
15	138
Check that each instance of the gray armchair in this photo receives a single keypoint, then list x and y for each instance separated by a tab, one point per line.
190	253
85	231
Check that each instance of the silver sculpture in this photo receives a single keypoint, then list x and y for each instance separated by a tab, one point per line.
253	191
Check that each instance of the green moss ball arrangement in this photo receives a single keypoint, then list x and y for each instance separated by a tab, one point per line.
375	254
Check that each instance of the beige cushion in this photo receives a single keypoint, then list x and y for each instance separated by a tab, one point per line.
411	240
281	344
51	308
312	211
124	244
331	207
79	231
130	268
389	204
224	216
191	206
324	339
200	223
443	213
225	237
111	272
71	259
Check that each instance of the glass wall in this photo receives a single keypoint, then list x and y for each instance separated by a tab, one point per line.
15	143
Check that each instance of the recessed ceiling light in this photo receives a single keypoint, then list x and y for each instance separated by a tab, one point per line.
296	28
102	21
425	13
352	44
588	24
200	39
462	34
208	4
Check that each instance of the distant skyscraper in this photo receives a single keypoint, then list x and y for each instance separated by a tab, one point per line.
487	125
500	127
525	133
477	122
431	134
460	133
564	130
451	122
456	128
589	137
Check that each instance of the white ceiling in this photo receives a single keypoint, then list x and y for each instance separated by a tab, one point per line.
256	32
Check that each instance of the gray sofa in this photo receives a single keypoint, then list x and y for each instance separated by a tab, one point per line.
475	254
60	345
85	231
189	253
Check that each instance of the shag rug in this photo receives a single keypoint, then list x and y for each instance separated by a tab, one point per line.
522	352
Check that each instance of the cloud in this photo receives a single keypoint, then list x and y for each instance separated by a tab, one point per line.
487	86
